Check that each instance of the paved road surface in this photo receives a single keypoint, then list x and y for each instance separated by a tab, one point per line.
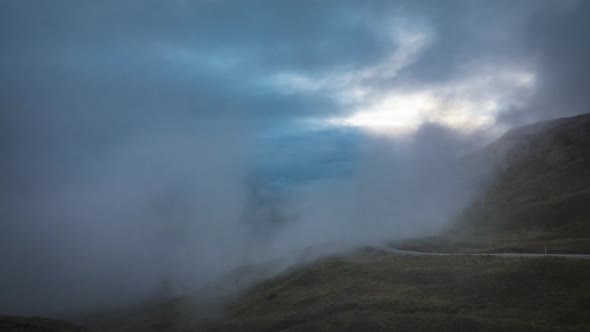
420	253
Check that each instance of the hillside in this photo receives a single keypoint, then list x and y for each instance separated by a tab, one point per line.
36	324
381	292
370	290
537	194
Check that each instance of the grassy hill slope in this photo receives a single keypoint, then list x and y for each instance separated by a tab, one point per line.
537	197
379	292
36	324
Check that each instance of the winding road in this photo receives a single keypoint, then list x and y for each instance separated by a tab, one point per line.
513	255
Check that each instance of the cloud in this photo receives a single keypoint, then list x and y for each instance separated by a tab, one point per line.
164	206
557	43
147	134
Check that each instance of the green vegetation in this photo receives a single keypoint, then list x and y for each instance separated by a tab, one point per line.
539	197
517	242
381	292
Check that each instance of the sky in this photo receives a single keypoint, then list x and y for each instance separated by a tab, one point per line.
156	136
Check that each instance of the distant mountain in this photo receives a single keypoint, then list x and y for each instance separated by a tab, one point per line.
538	189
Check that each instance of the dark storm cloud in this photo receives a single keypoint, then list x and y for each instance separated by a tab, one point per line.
305	34
558	43
96	71
550	38
205	56
466	31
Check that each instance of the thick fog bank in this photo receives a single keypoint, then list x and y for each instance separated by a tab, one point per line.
167	213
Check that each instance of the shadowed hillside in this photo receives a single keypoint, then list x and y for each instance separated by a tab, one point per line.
36	324
374	291
538	196
378	292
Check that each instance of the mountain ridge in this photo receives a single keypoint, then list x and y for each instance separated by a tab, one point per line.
536	181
